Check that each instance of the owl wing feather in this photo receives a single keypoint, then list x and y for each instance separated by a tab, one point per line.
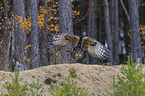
63	39
95	48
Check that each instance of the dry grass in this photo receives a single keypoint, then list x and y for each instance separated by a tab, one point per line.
95	78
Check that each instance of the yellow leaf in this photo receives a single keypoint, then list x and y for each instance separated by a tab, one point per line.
28	60
56	18
52	29
73	6
25	58
29	45
48	28
52	25
51	17
56	3
22	27
78	13
56	28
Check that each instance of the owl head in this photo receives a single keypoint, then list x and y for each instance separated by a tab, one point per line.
77	53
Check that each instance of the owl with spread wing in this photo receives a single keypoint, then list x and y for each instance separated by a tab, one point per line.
94	48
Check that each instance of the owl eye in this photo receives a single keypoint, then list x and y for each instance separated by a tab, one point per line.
76	52
80	52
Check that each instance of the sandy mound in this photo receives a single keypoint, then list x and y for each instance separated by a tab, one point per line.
95	78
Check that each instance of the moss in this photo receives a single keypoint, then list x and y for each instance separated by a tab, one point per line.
54	81
33	76
49	81
54	76
59	74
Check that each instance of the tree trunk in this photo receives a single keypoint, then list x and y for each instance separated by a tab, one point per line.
115	31
116	35
92	24
5	37
100	21
107	27
65	16
19	33
35	57
134	25
44	40
28	6
66	24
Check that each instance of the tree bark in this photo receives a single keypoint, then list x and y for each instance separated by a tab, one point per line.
44	40
107	27
134	25
19	33
116	35
35	57
66	24
115	31
28	6
92	24
5	40
65	16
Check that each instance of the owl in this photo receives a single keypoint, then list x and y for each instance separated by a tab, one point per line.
77	53
94	48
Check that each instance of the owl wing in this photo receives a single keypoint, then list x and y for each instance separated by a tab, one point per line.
95	48
63	39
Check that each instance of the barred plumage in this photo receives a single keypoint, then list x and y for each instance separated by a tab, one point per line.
95	48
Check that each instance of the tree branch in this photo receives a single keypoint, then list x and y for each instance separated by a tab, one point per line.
80	19
138	3
143	4
125	11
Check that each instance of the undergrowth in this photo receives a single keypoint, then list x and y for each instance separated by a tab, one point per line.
67	89
72	72
14	88
131	82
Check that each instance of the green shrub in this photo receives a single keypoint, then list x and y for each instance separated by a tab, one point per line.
38	87
14	88
67	89
72	72
2	78
132	82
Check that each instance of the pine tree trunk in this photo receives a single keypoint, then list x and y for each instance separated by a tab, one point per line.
20	37
35	57
28	6
115	31
92	25
66	24
44	40
65	16
108	29
5	37
134	25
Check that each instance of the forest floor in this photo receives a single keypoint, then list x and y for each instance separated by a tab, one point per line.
94	78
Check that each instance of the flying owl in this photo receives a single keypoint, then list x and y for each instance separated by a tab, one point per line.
95	48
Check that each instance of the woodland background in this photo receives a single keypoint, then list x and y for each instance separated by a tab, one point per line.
26	26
